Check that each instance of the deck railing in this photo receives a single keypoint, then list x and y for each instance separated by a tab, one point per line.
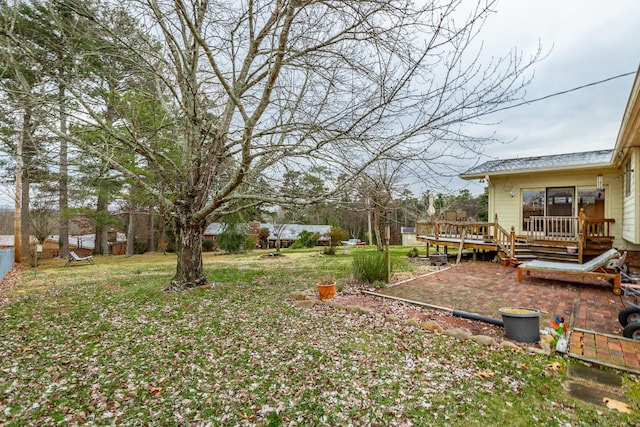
489	232
559	228
567	228
453	230
595	228
506	240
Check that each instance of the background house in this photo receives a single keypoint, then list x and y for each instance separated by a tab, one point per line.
288	233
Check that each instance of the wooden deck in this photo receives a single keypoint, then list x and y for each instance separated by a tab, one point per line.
567	239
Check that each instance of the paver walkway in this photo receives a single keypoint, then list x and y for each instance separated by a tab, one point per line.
484	287
605	349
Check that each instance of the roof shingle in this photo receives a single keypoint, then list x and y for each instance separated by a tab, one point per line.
556	161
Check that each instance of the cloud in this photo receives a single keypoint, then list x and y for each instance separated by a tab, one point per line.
587	41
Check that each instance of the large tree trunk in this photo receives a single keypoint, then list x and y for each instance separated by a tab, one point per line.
24	217
26	153
63	189
17	215
131	232
151	245
189	272
102	244
376	229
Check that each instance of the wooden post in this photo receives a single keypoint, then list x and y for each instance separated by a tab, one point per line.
581	237
387	237
462	233
512	242
495	228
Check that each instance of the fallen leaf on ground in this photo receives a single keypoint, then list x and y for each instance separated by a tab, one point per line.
155	390
484	374
555	366
616	404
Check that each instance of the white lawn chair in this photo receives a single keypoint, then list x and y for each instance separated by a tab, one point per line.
73	257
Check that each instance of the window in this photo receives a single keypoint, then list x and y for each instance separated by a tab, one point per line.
560	201
532	205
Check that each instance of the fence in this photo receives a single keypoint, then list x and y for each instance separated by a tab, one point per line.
6	261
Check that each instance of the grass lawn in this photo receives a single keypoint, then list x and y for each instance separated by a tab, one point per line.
105	345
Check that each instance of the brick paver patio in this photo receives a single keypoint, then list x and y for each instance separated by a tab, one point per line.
605	349
484	287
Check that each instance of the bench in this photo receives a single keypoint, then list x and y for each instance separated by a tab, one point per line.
596	268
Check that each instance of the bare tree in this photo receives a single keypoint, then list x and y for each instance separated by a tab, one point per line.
252	88
378	186
42	220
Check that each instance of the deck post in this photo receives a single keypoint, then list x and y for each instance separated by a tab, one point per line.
581	233
463	232
495	228
436	234
512	242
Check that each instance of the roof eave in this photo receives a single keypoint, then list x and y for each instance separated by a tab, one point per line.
629	132
481	175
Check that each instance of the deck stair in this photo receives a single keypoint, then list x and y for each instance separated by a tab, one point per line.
529	251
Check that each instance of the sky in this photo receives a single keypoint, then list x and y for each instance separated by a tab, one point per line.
587	41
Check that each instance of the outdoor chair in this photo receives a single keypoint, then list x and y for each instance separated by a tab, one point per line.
73	257
598	268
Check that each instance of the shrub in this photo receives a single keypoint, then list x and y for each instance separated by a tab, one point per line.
207	244
250	243
413	253
337	234
139	248
308	239
296	245
329	250
232	239
369	266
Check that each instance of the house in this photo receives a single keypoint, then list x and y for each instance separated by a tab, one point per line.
561	199
287	233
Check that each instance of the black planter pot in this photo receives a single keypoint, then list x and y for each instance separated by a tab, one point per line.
521	323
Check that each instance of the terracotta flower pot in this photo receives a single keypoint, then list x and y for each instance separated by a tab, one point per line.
327	290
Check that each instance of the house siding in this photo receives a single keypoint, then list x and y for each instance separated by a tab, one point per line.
628	206
410	239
